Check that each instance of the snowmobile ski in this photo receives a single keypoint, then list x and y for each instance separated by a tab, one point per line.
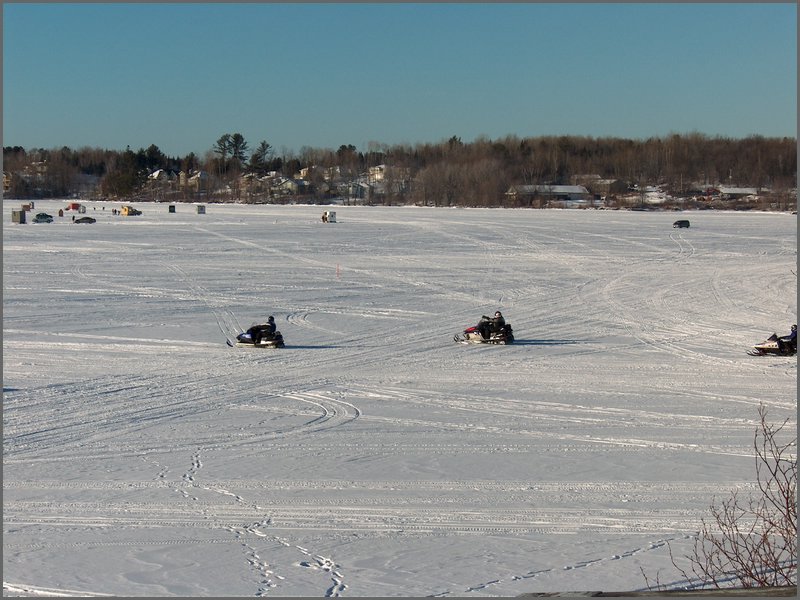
264	344
471	340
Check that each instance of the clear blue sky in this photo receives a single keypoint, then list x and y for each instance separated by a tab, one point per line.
321	75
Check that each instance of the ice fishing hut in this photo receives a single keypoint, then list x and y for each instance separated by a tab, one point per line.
331	218
172	208
201	209
18	216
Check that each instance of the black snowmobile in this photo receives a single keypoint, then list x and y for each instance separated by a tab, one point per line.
775	346
475	334
260	336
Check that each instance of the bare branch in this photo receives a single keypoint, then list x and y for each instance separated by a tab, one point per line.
754	543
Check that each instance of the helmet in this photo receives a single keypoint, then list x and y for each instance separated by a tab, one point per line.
271	319
498	314
794	327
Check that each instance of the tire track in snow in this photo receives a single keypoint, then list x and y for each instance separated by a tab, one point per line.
116	423
289	518
226	321
530	418
685	248
24	589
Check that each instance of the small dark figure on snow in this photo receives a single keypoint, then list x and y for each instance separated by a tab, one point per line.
788	343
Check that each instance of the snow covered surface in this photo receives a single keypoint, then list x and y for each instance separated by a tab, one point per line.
373	456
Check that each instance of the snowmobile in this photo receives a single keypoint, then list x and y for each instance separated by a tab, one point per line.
473	335
267	340
770	347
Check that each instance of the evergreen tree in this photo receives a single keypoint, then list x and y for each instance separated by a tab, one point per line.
260	158
238	150
223	149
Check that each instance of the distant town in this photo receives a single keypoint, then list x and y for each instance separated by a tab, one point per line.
679	172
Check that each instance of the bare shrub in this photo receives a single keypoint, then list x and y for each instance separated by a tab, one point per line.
752	542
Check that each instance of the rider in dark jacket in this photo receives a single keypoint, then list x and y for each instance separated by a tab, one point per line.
490	325
267	330
788	342
498	322
270	328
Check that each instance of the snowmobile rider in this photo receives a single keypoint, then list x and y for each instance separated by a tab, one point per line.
270	328
788	342
490	325
258	332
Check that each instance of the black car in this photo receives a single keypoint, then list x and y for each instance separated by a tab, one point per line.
85	220
681	223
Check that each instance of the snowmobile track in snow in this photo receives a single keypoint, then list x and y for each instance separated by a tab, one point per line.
373	446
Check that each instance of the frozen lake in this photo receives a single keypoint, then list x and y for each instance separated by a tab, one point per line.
373	456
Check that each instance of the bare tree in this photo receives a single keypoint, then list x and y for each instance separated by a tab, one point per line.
752	543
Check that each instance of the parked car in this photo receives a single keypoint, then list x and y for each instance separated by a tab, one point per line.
681	223
85	220
43	218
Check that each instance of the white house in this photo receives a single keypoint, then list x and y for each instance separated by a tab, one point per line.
161	175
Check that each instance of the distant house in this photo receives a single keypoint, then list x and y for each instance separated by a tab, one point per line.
307	173
359	190
381	173
601	187
161	175
333	174
376	173
566	195
292	186
198	181
733	193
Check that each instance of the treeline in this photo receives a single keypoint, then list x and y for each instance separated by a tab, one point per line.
450	172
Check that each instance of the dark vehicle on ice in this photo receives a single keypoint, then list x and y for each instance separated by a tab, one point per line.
488	331
775	345
261	335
